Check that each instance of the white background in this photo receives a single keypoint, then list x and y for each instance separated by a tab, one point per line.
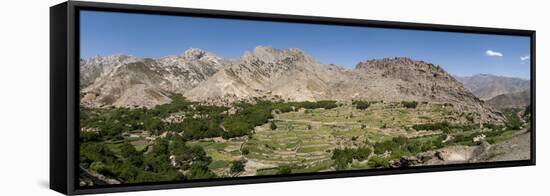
24	97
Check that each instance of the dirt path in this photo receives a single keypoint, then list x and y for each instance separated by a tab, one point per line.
251	167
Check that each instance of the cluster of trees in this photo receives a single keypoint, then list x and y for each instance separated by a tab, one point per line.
196	128
129	168
361	105
237	167
285	169
493	126
404	146
443	126
409	104
447	127
279	170
293	106
513	120
327	104
128	165
132	166
468	139
192	159
379	162
249	116
110	123
343	157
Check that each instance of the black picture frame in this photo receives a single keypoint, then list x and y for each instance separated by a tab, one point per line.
64	96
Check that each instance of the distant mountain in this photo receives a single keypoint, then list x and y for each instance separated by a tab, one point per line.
486	86
92	68
267	72
511	100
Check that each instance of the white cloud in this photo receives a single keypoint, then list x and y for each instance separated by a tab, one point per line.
524	58
493	53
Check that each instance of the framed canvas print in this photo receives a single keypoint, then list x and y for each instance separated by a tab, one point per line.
146	97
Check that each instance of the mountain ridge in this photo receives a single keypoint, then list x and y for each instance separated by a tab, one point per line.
266	72
487	86
511	100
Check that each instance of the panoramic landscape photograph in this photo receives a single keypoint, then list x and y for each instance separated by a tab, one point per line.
179	98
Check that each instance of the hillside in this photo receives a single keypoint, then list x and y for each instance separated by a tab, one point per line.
487	86
511	100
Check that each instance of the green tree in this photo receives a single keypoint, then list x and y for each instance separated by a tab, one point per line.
153	125
199	172
282	170
361	105
273	126
245	151
237	167
513	121
409	104
130	154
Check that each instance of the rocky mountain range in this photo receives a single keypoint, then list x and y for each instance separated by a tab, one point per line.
266	72
126	81
487	86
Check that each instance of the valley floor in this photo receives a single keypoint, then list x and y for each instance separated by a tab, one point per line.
383	135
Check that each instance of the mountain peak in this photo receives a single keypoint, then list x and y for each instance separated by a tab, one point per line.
267	53
270	54
265	49
484	75
115	57
195	54
399	63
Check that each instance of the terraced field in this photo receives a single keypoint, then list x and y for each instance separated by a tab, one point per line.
222	152
304	140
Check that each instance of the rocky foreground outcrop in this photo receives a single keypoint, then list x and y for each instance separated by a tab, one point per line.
517	148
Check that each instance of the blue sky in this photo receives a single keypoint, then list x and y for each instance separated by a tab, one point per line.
108	33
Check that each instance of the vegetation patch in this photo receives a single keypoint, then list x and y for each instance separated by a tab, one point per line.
409	104
343	157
